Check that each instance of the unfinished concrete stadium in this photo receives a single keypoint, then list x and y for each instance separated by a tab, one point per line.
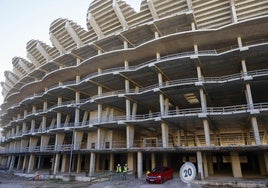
180	80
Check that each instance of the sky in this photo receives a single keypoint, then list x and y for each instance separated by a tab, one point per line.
24	20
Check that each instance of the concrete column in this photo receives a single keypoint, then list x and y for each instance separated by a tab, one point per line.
77	110
12	162
199	73
249	96
160	79
166	106
156	35
161	102
100	135
239	42
44	142
164	128
244	67
112	166
203	100
44	123
255	129
92	164
23	144
39	162
205	162
56	164
78	136
206	131
59	140
32	162
32	126
99	113
200	164
134	110
139	164
130	135
266	161
58	119
196	49
236	167
78	164
210	164
158	57
153	160
64	163
25	163
19	162
130	161
193	26
128	115
33	143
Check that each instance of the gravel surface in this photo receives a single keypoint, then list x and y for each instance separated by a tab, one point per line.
8	180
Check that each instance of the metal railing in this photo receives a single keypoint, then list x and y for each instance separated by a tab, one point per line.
226	110
221	140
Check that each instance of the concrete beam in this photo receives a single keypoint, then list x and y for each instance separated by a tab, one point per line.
23	65
57	44
120	15
12	77
32	59
17	72
152	9
95	26
43	52
73	34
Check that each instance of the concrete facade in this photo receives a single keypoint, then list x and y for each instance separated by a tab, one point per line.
178	81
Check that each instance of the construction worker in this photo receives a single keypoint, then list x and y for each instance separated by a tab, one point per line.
118	168
125	169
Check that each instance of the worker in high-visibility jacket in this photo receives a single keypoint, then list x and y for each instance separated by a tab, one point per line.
125	169
118	168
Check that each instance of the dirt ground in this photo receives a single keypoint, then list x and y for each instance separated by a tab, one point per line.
8	180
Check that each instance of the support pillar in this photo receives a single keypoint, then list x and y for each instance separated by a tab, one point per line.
19	162
79	161
31	163
12	162
255	129
206	131
200	164
92	164
112	167
164	128
210	164
64	163
236	167
56	164
139	164
130	161
25	163
130	136
205	163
